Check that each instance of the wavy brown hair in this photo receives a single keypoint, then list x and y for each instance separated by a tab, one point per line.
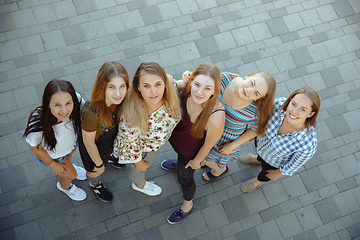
41	119
207	69
265	104
106	72
313	96
135	108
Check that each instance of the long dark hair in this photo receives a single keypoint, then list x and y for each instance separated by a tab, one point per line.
41	119
207	69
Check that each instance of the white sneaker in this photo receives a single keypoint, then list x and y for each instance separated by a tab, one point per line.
149	188
75	193
81	172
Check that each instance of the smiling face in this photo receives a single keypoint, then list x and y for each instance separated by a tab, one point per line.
61	106
298	110
202	87
252	88
115	91
152	88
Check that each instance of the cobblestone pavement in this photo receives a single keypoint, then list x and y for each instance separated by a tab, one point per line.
301	42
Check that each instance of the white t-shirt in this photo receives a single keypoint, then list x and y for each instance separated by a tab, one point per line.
66	139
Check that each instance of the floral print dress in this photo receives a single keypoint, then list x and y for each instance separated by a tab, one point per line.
130	141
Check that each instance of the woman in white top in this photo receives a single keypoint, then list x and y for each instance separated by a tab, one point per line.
52	132
149	115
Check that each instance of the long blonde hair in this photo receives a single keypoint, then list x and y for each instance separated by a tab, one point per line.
207	69
135	109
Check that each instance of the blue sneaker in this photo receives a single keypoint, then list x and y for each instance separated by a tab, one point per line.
178	215
169	164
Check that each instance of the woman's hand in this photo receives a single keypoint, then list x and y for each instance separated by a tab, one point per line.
185	76
194	165
58	168
141	166
227	148
274	174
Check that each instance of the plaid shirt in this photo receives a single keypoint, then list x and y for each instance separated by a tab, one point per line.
289	151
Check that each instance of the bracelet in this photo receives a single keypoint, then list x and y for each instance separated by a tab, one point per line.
100	166
50	162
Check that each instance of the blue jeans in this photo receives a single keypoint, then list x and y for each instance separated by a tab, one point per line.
59	159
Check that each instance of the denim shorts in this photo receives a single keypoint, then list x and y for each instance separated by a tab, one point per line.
59	159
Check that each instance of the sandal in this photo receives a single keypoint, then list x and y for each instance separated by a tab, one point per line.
212	177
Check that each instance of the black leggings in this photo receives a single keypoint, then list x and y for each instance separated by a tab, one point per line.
262	175
186	178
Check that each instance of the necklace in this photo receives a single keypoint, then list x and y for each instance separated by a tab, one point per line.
237	105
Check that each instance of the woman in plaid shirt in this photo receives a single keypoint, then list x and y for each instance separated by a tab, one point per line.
289	140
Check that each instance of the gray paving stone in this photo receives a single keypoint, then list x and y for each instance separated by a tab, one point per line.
220	220
336	128
232	211
270	213
251	57
306	235
132	20
260	31
84	6
29	230
277	26
255	201
61	62
94	30
53	225
188	51
64	9
44	14
289	37
10	222
74	35
294	22
269	230
22	18
312	179
15	34
288	220
12	179
32	45
301	56
10	50
53	40
354	230
60	24
308	217
25	61
7	23
331	169
351	42
53	74
326	13
284	62
346	184
310	17
331	77
320	37
242	36
195	225
206	46
345	201
248	234
343	8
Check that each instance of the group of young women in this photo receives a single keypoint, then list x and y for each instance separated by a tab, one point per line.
213	115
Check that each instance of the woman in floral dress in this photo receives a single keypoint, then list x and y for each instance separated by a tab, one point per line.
149	115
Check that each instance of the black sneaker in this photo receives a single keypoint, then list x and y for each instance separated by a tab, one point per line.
102	192
113	161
